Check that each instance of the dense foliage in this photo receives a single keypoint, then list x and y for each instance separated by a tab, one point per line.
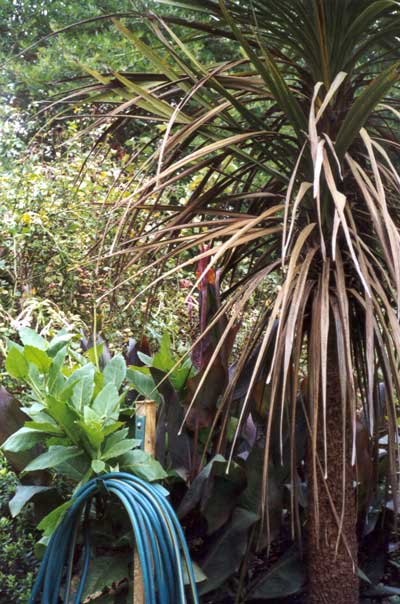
258	144
295	143
31	63
18	562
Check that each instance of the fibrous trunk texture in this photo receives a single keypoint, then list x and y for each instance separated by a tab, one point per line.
332	575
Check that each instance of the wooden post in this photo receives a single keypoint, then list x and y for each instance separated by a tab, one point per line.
148	411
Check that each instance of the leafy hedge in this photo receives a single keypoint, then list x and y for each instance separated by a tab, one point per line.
17	542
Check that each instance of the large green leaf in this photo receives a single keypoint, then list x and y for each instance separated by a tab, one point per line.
104	571
143	382
56	379
37	357
92	429
49	523
75	468
65	415
58	342
30	337
87	371
45	424
165	360
23	439
98	466
82	392
56	455
23	495
226	554
106	402
119	448
117	444
115	370
144	465
16	364
116	437
285	578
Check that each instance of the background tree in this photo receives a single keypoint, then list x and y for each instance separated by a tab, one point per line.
27	30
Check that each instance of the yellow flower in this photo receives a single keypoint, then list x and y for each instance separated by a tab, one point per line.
26	218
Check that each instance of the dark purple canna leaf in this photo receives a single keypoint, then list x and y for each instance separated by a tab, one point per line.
11	420
170	418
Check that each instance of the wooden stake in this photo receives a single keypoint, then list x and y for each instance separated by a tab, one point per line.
148	411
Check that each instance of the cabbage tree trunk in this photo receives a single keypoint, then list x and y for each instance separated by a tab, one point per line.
332	575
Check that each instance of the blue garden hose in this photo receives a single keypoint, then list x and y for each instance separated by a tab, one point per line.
159	541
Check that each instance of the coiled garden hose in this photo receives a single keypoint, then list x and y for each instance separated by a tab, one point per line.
159	541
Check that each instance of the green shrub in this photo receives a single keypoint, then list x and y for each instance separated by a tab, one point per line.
17	540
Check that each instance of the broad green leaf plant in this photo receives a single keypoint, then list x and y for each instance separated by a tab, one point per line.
75	412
